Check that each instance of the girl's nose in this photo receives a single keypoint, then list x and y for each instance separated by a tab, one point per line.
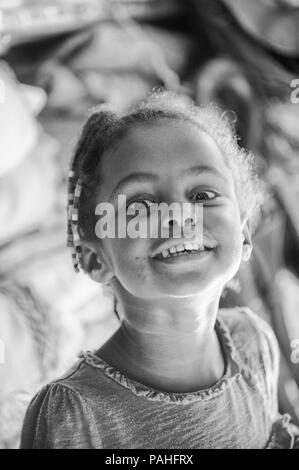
180	215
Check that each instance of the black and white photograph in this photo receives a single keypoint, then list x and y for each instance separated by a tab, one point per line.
149	227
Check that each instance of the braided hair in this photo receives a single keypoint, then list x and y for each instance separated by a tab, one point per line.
103	129
82	178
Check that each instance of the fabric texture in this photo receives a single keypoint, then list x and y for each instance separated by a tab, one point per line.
96	406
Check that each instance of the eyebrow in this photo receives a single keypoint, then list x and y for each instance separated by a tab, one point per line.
151	177
132	179
199	169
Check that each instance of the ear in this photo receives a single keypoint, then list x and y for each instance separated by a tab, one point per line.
247	237
95	262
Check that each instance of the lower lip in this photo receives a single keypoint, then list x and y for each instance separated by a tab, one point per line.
195	256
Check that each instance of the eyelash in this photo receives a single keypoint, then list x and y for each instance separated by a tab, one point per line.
147	206
141	201
206	192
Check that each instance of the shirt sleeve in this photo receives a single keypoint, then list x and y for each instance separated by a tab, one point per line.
258	352
265	356
58	418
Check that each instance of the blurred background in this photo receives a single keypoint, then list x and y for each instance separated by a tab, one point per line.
58	58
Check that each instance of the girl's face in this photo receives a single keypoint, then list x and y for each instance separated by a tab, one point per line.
175	162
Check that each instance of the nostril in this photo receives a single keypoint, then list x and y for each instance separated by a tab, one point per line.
190	220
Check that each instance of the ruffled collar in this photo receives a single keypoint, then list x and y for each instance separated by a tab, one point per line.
232	372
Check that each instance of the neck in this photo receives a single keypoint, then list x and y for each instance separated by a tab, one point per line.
170	344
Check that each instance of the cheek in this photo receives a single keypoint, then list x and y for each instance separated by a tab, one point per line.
128	259
224	225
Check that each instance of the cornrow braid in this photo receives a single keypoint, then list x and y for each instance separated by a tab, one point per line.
85	160
73	239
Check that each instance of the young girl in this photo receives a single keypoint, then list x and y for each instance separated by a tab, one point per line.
179	372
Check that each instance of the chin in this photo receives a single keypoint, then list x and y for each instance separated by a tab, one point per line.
190	286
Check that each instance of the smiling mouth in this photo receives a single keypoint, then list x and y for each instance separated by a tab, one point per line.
182	250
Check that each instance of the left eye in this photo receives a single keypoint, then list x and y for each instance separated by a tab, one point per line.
203	196
139	205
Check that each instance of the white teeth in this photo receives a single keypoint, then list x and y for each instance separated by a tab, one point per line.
179	249
189	246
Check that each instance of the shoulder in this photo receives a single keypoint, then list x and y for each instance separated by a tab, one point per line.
243	321
59	416
253	338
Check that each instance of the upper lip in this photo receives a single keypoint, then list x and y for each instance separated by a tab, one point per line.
207	243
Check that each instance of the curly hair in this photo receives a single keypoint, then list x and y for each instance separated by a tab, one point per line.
104	128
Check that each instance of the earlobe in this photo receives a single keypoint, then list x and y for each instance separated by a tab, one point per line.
246	238
95	264
246	251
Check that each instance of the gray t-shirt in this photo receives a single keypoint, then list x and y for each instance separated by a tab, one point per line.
96	406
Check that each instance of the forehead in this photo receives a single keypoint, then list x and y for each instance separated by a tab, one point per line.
164	147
